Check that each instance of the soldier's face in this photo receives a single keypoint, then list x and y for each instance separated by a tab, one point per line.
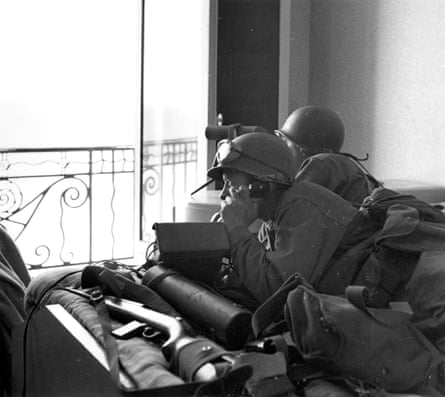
235	179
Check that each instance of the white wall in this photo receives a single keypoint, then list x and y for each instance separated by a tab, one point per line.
410	90
381	65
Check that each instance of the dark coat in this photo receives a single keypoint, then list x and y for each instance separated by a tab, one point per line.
13	279
339	173
308	225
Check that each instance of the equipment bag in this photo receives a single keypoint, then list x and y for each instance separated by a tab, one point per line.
383	262
141	360
381	199
194	249
344	336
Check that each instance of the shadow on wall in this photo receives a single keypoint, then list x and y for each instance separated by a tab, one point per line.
343	48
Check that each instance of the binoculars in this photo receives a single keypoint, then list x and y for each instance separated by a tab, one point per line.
218	132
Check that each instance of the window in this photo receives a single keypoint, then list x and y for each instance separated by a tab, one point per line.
70	81
176	105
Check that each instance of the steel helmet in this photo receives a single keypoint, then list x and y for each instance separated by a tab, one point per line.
262	155
315	127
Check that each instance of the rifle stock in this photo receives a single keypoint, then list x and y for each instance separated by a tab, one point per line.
178	342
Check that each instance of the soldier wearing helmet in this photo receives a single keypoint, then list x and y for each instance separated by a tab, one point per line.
258	161
303	223
311	231
318	133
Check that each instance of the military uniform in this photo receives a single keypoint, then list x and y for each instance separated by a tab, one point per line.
308	225
339	173
317	234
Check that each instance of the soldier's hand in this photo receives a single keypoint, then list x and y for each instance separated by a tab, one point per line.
238	209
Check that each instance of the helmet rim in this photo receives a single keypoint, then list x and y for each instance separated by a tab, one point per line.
261	155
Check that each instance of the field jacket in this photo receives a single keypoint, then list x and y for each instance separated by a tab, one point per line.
339	173
301	237
317	234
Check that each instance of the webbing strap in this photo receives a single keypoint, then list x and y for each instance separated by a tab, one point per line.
95	296
272	308
111	349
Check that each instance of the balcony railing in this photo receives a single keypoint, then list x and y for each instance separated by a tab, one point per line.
68	206
169	170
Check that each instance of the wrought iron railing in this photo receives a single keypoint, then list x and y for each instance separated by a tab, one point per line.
169	170
68	206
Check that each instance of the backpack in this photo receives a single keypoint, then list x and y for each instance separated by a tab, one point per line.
343	336
376	205
403	228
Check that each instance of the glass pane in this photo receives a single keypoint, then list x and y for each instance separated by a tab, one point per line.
176	75
70	72
70	78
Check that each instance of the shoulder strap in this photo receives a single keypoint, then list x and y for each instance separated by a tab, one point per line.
273	308
95	296
111	349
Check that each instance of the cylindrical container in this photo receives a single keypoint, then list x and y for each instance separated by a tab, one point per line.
228	322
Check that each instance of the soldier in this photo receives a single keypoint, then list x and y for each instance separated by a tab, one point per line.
318	134
303	223
308	229
311	231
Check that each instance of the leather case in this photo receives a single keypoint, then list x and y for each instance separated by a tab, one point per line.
194	249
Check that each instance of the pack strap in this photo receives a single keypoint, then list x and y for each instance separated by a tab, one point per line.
273	308
95	296
111	351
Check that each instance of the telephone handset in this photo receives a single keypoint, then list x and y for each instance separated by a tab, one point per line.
257	189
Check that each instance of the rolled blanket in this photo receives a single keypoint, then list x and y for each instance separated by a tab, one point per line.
142	360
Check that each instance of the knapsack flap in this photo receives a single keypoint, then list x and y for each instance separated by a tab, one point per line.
381	199
405	230
379	346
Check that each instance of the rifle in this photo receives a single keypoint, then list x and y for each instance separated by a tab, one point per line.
161	288
195	359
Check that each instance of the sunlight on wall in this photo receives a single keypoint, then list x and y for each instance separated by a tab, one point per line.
380	64
410	91
70	72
